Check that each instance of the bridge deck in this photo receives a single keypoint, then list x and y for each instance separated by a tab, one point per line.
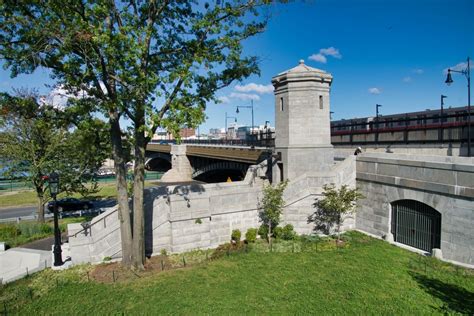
232	153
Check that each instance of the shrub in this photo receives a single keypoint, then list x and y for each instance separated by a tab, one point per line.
251	235
163	252
227	249
236	234
263	231
46	229
288	232
29	229
8	231
278	232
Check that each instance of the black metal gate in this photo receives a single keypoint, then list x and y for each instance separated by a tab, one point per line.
416	224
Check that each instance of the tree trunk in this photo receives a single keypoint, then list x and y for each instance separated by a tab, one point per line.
138	210
40	207
122	195
339	222
269	236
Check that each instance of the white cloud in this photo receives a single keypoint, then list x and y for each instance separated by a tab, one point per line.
407	79
244	96
418	71
375	91
318	57
331	51
459	67
254	87
224	99
57	97
323	52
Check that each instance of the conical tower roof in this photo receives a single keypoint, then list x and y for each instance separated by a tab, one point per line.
302	72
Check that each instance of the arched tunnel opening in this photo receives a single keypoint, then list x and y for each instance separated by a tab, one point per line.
220	175
158	164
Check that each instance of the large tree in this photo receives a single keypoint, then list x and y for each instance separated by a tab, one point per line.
153	63
37	139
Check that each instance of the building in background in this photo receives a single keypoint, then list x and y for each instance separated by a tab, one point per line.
184	133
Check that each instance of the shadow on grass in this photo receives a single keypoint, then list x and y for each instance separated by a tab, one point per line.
455	298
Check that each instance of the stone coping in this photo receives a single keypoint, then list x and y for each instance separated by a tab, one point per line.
435	162
456	190
431	158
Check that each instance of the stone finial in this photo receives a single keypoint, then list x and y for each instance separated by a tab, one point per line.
301	61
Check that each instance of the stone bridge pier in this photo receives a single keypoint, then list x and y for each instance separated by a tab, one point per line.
181	170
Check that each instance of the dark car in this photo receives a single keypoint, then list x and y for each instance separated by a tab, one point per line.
70	204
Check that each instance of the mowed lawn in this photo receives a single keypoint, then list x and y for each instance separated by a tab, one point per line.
367	277
28	197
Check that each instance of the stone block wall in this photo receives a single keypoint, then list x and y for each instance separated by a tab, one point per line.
444	183
181	218
302	193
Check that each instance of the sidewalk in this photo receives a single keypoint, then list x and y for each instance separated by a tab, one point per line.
16	263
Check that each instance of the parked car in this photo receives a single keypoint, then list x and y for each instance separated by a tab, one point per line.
70	204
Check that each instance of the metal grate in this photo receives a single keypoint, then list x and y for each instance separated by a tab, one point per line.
416	224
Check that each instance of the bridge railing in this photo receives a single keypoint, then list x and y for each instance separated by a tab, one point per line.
261	139
436	128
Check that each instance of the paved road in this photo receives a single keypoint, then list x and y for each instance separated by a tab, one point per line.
22	211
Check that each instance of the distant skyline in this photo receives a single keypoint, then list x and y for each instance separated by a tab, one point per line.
393	53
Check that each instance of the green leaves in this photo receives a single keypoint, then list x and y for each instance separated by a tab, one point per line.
134	55
336	203
37	139
272	203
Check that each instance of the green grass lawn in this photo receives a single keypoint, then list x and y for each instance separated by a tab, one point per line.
368	276
28	197
16	234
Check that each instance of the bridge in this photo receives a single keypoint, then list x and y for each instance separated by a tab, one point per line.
209	162
220	159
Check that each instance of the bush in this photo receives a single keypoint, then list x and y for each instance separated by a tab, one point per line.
288	232
278	232
46	229
236	234
263	231
251	235
29	229
227	249
8	231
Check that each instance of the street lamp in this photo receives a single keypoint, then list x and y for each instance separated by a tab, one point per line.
53	181
377	106
441	136
449	80
226	117
377	111
247	107
330	115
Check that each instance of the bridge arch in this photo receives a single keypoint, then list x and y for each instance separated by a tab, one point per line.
158	162
220	171
416	224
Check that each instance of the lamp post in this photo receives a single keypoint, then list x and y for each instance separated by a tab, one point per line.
449	80
330	115
53	181
377	106
226	117
246	107
441	136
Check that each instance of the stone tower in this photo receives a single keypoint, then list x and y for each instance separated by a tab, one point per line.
303	136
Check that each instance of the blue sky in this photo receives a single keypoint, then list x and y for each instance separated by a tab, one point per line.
387	52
